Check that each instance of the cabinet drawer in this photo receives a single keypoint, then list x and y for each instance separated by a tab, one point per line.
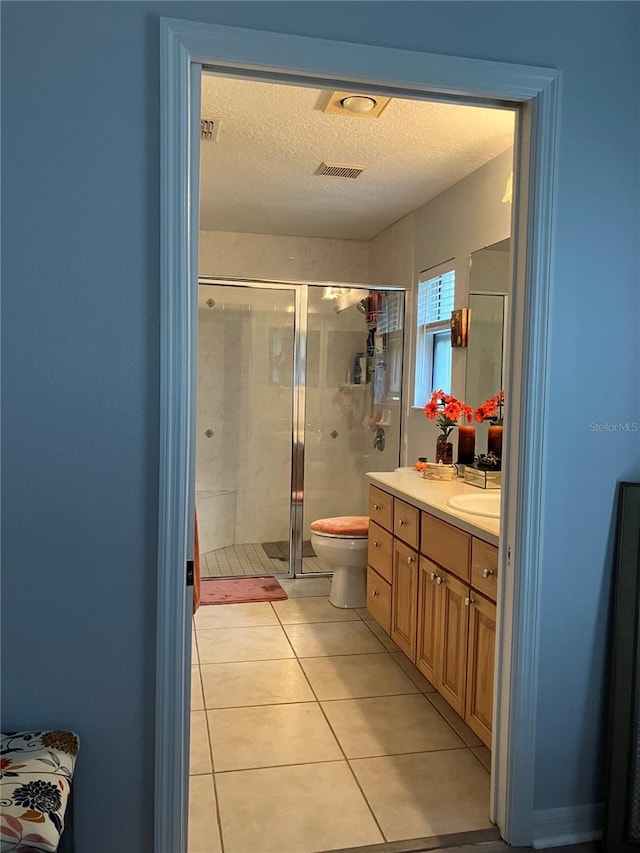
380	554
445	544
484	568
381	507
406	522
379	599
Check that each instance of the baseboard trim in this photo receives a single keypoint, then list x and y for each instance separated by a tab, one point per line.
559	827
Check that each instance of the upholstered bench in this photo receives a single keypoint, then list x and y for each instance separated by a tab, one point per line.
36	769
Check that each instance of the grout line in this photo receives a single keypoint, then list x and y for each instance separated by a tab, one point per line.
280	766
435	707
269	705
473	749
213	769
414	752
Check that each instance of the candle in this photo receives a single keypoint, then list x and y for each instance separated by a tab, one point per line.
494	441
466	444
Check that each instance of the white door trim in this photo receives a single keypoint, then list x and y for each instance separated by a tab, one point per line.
184	47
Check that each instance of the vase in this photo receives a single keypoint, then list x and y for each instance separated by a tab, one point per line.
444	452
494	440
466	444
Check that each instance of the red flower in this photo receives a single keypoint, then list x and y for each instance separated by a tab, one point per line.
446	410
491	409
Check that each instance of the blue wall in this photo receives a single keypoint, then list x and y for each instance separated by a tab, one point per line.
80	159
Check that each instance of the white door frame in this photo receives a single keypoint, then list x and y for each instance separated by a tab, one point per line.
184	47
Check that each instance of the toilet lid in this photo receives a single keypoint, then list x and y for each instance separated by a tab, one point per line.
353	526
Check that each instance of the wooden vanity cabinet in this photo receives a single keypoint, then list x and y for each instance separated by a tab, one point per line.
404	598
433	588
456	629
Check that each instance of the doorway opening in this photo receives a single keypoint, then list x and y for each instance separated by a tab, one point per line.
300	397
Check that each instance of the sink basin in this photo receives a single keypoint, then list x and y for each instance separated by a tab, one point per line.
483	504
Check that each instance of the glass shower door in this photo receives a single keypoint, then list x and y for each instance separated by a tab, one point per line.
244	428
353	400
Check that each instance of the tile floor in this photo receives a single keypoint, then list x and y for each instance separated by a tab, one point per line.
249	559
310	731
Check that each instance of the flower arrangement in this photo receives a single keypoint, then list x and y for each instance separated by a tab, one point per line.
491	410
446	411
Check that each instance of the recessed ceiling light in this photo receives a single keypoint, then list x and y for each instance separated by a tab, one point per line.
358	104
354	104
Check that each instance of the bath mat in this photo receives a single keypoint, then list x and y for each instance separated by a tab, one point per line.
280	550
240	590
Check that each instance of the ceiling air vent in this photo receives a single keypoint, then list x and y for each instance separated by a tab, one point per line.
339	170
209	129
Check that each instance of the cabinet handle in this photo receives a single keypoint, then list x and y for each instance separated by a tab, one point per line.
401	522
468	601
440	579
410	560
433	576
374	593
376	544
486	573
376	507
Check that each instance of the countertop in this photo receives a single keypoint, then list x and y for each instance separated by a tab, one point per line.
432	496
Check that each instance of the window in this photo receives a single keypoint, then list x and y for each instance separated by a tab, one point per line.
433	342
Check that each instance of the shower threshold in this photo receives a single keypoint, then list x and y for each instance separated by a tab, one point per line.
250	559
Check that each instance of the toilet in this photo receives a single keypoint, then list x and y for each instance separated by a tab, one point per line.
341	543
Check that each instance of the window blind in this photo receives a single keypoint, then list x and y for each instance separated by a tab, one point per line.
391	316
435	298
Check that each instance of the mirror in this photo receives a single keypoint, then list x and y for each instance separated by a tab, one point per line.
489	285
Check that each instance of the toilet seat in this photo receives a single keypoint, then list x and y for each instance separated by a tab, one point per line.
342	527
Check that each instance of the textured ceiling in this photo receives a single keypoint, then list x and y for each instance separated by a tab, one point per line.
259	176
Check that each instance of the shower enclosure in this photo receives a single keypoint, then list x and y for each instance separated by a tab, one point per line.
299	395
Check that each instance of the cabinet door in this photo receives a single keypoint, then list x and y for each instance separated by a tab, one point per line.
480	666
428	619
454	632
404	598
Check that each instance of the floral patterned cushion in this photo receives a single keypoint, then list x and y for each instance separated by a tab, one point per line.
36	769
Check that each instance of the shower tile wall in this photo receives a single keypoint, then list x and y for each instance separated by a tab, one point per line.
266	256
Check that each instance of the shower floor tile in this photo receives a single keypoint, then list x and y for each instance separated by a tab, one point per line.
249	558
